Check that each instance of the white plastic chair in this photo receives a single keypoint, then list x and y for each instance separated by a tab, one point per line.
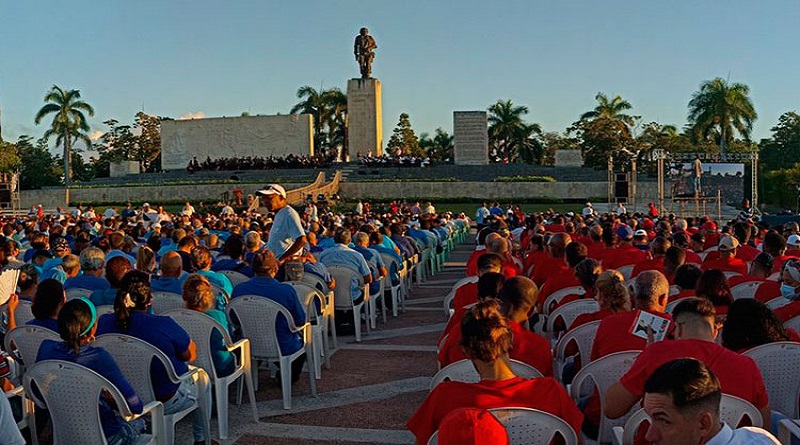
570	311
319	319
559	295
788	431
730	274
396	291
71	393
464	371
448	300
527	426
626	271
775	303
671	305
343	298
220	293
626	435
166	301
778	364
329	311
234	276
28	409
23	314
793	323
601	374
24	341
134	357
583	337
674	290
257	317
199	326
745	290
77	292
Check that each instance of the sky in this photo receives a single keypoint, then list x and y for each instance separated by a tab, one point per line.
211	58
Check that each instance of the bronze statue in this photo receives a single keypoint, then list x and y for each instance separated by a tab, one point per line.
363	49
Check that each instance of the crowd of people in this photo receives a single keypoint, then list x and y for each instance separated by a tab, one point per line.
388	160
258	163
119	260
686	274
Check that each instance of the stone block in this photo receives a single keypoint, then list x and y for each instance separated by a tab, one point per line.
471	138
123	168
569	158
364	117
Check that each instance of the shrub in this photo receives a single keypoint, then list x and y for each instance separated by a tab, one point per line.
524	179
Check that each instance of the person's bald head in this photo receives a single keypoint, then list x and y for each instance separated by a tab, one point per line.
498	245
491	238
171	264
651	291
557	243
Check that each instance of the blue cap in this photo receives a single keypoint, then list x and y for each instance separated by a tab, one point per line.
624	232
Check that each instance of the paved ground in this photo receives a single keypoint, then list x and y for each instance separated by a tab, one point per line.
372	388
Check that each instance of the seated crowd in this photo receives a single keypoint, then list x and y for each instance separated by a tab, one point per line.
714	294
84	277
258	163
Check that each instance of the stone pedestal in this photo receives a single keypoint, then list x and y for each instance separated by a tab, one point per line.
569	158
471	138
123	168
364	117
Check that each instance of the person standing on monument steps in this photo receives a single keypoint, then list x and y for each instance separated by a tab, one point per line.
697	174
363	50
287	237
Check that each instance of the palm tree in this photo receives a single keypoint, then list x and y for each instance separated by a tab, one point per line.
718	108
611	109
329	108
69	122
507	130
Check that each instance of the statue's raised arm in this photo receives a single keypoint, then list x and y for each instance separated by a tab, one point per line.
363	50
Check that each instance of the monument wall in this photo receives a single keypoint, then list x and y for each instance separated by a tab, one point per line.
471	138
221	137
364	117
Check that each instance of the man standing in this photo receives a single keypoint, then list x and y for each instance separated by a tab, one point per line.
363	49
697	174
287	237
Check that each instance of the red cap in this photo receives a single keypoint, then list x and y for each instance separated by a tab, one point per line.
711	225
471	426
648	224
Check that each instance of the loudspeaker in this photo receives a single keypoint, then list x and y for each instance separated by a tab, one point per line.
5	196
620	177
621	189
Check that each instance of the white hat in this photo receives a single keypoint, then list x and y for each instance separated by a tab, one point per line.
727	242
272	189
793	239
640	232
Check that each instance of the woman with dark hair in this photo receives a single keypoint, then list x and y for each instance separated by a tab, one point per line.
751	323
487	340
49	299
77	327
131	317
713	286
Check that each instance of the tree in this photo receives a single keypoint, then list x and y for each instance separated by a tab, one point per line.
148	143
9	157
553	141
601	137
403	141
613	109
69	122
508	132
439	148
329	110
718	108
39	168
783	148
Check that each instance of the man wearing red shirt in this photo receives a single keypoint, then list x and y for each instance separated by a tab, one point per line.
488	286
658	249
496	244
614	333
775	245
695	333
709	230
681	239
574	254
625	253
727	261
760	270
556	246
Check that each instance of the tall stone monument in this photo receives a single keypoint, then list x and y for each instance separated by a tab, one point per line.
471	137
364	113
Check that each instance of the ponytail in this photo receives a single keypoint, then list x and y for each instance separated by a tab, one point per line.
75	321
135	296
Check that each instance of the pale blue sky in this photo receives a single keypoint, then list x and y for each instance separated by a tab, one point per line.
221	58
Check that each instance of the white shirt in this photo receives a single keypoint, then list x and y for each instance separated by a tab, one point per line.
286	228
109	213
621	210
747	435
587	211
359	208
227	210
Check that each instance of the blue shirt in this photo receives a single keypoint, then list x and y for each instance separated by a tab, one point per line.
104	297
49	323
168	284
224	362
234	265
376	262
218	279
341	255
101	362
113	253
284	294
87	282
163	333
51	263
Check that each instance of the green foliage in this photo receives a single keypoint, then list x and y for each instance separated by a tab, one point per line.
521	178
121	143
39	168
780	187
601	137
440	148
613	108
553	141
403	141
69	122
719	108
9	157
329	110
510	137
784	145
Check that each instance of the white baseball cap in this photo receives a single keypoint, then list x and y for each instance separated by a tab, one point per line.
272	189
793	239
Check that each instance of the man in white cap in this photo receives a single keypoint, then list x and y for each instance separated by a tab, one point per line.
287	236
588	210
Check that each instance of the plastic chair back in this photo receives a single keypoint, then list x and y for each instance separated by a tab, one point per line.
24	341
775	303
309	295
77	292
793	323
257	317
315	282
448	300
234	276
626	435
527	426
778	364
557	296
733	410
583	336
745	290
626	271
464	371
23	314
166	301
674	290
343	293
199	326
71	393
570	311
603	373
671	305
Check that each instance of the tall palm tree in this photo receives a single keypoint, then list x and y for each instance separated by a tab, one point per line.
507	130
69	122
329	109
312	104
613	108
718	108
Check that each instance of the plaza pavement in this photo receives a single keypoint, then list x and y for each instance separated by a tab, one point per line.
372	388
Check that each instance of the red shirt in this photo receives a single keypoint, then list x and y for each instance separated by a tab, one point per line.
743	252
653	264
472	262
527	347
726	264
588	318
533	258
623	256
547	268
693	258
553	283
738	375
712	240
778	262
789	311
544	394
765	292
465	295
614	334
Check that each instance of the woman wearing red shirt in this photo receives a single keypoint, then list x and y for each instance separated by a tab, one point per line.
713	286
612	296
487	341
751	323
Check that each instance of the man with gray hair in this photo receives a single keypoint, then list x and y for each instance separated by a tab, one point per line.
374	260
92	263
342	255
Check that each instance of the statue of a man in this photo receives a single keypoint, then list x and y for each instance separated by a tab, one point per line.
363	50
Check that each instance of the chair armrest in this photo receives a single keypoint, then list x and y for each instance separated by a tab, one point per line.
188	374
617	432
156	411
15	392
788	428
243	346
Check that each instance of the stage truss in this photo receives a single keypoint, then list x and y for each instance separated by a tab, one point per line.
749	157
